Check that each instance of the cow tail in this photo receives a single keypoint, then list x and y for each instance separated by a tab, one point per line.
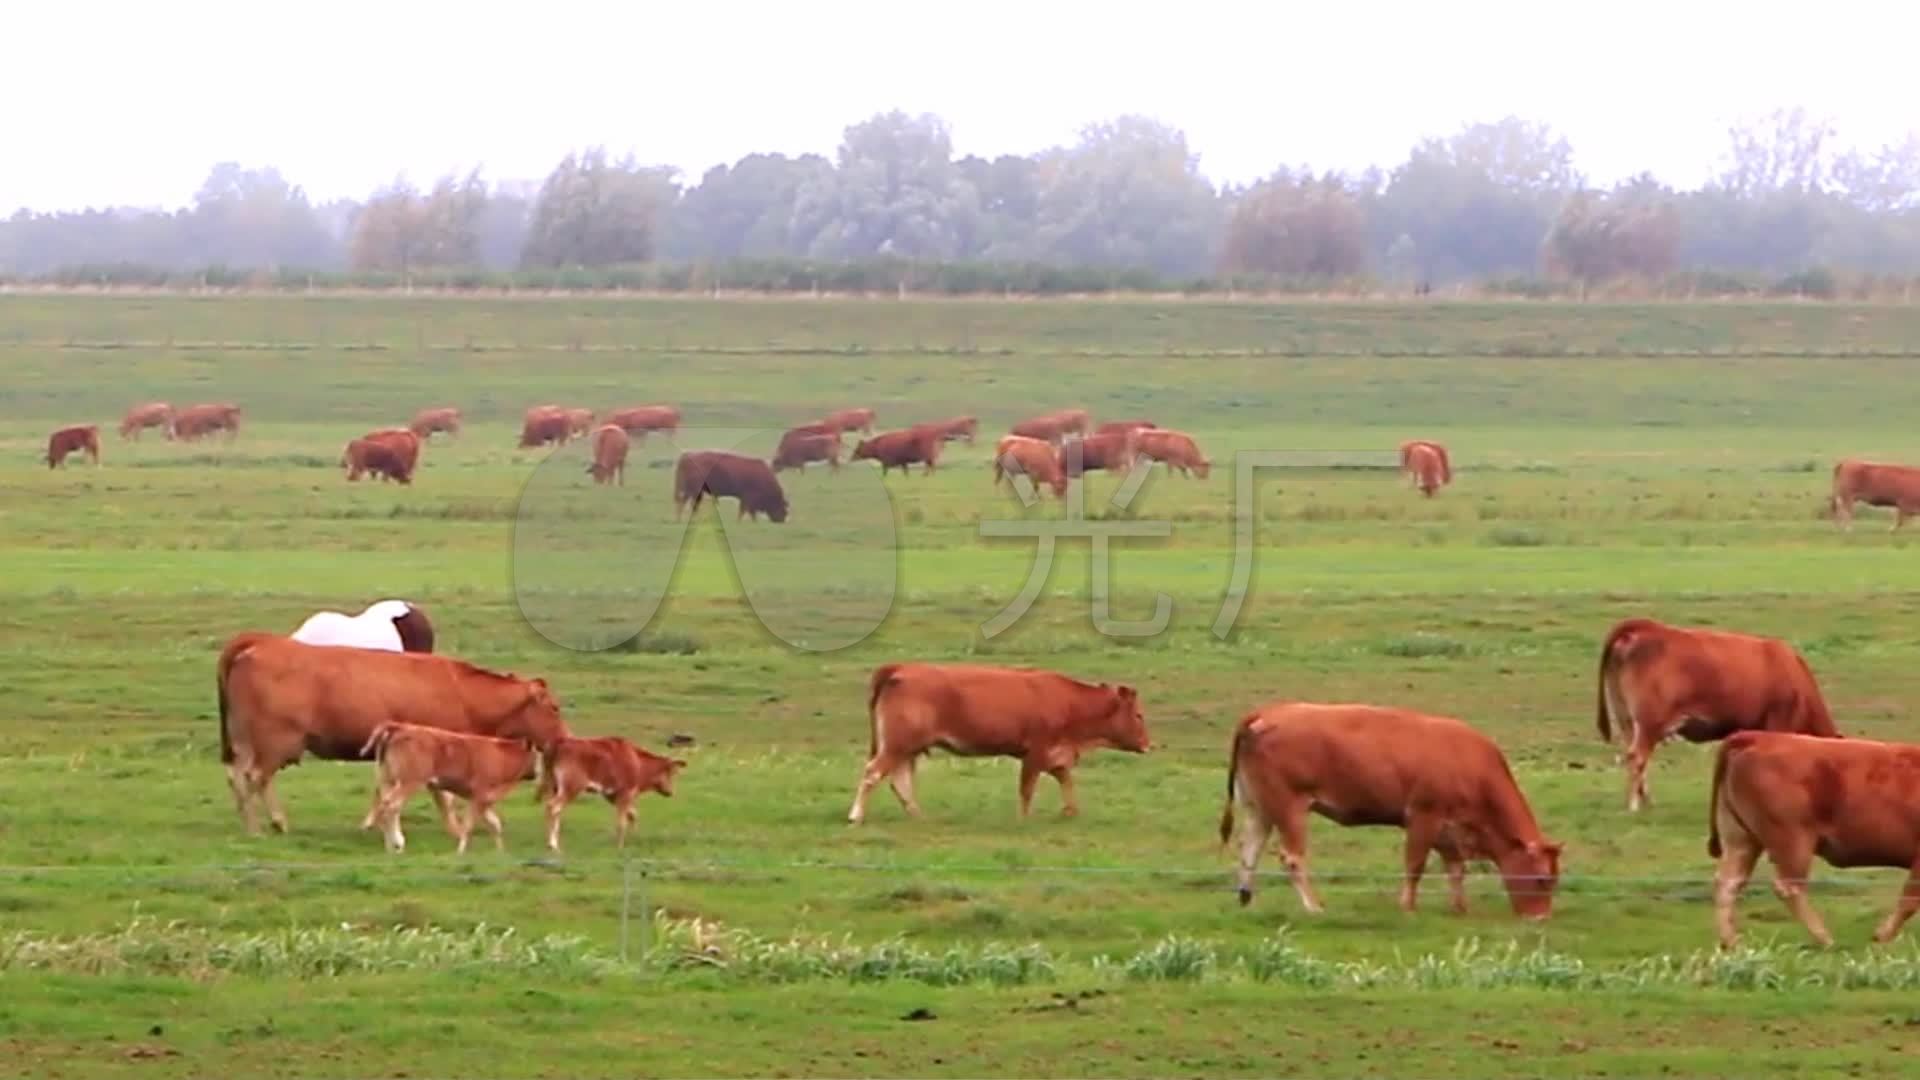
222	669
1233	770
1608	661
883	677
377	743
1713	799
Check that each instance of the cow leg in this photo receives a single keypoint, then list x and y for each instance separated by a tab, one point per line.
443	800
1899	518
1739	852
1790	868
563	793
276	814
1909	903
1030	769
1843	513
1069	806
1456	880
1293	850
494	824
462	829
242	785
880	766
623	818
1648	730
1253	837
901	781
392	799
1422	831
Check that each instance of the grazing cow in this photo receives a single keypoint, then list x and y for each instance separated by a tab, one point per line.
427	421
366	455
644	418
153	414
1425	465
579	422
477	768
1176	448
1052	426
84	438
1853	802
1045	719
545	424
1445	783
958	429
1876	484
803	444
720	474
1659	681
1110	452
1034	457
391	625
609	454
860	420
899	449
611	767
198	421
1124	427
282	699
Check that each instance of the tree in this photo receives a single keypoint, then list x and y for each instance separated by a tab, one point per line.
895	190
390	231
1297	226
1888	181
593	212
1783	151
1478	202
255	218
1632	231
1009	198
747	209
1129	193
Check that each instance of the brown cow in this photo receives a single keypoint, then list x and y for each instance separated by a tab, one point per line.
84	438
1035	458
1176	448
1660	681
579	422
198	421
641	419
1445	783
610	444
611	767
899	449
958	429
545	424
153	414
366	455
1425	465
282	699
405	444
427	421
720	474
807	443
1853	802
1045	719
1110	452
1876	484
1052	426
477	768
860	420
1124	427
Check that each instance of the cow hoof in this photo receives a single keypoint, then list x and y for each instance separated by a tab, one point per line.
1246	896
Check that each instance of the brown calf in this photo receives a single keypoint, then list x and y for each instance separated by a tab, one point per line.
73	440
477	768
545	424
1110	452
153	414
900	449
363	456
1036	458
1876	484
427	421
1425	465
1176	449
699	474
199	421
808	443
610	444
610	767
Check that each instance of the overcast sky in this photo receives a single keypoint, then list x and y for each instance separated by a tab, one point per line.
130	103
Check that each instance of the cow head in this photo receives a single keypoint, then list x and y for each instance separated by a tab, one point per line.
539	719
1126	726
662	770
1531	873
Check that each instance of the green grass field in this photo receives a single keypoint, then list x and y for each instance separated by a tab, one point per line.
1669	461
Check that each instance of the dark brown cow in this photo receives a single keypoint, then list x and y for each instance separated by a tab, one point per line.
1425	465
198	421
1659	681
545	424
1124	427
1036	458
1109	452
851	420
959	429
153	414
1176	448
84	438
477	768
610	767
428	421
1853	802
1052	426
1443	782
720	474
282	699
900	449
1876	484
364	455
1045	719
803	444
609	462
641	419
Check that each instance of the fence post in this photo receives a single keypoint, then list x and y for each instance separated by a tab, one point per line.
626	905
646	919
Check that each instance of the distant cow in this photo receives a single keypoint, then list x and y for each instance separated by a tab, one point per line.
153	414
852	420
1109	452
1876	484
1045	719
1177	449
1853	802
84	438
364	456
957	429
1052	426
899	449
1445	783
1124	427
1425	465
641	419
198	421
428	421
610	767
609	462
545	424
721	474
1659	681
477	768
281	700
804	444
389	625
1036	458
579	422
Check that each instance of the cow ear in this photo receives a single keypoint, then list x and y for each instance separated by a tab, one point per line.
1128	693
675	764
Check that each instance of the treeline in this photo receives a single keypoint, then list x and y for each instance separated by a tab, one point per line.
1125	208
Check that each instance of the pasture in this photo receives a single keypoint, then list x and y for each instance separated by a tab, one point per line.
1671	461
